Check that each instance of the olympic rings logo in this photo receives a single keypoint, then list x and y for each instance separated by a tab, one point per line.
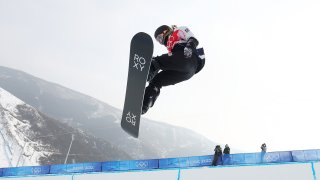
142	164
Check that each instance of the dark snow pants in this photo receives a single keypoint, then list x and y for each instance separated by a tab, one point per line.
175	68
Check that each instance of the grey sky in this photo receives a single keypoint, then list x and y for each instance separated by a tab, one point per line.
261	79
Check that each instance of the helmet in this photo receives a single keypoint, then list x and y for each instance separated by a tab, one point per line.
162	33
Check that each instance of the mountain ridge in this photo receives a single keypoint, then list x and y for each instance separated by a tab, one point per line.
29	137
157	140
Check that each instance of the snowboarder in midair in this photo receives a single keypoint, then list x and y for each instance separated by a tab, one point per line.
180	63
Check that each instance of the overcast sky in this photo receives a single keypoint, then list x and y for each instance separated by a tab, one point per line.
261	79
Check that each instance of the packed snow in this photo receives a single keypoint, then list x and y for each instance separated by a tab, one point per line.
15	147
8	101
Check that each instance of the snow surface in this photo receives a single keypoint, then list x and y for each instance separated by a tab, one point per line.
8	101
15	147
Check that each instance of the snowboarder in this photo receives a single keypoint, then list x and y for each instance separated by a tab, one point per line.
180	63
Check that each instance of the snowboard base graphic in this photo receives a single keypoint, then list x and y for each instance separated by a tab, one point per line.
141	50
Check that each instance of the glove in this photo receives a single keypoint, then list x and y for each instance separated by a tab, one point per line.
187	52
190	46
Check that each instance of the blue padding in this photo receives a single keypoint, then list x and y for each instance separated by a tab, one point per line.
22	171
169	163
183	162
286	156
130	165
246	158
226	159
205	160
110	166
75	168
298	156
194	161
256	158
305	155
277	157
311	155
253	158
144	164
237	159
272	157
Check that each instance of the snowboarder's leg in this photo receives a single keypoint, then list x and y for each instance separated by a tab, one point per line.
175	69
151	94
177	62
164	78
167	78
154	69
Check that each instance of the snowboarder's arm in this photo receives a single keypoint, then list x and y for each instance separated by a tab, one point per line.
192	43
188	37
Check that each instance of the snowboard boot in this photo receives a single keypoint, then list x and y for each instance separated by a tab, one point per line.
150	96
154	69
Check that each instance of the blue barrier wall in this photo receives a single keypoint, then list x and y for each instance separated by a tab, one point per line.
185	162
130	165
75	168
182	162
23	171
306	155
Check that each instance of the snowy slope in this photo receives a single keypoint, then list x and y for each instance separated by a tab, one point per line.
15	148
156	139
29	138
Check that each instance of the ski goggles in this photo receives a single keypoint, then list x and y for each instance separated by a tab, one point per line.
161	37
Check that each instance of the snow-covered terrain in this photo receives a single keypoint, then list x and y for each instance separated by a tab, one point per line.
30	138
8	101
15	147
57	111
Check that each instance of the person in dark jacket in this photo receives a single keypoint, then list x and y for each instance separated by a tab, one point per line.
264	148
217	155
263	151
226	149
182	61
226	155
